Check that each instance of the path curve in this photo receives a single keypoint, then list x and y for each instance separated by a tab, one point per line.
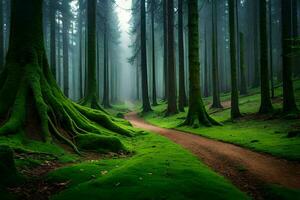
248	170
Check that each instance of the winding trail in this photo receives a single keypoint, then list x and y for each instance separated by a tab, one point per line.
246	169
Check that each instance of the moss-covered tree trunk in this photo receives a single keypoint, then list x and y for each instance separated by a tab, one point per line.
172	97
215	68
243	90
105	101
182	95
145	95
289	103
91	96
29	95
265	104
197	114
235	111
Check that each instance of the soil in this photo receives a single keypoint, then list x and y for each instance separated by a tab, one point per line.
250	171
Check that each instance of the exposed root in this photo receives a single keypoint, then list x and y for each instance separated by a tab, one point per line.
53	109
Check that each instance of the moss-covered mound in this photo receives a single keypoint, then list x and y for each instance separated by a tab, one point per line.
99	143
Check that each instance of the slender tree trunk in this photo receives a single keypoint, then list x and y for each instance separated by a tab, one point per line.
53	37
1	35
197	114
271	49
215	68
235	111
165	32
66	53
105	101
145	96
296	57
154	100
265	104
289	103
80	52
243	67
256	47
172	99
206	89
182	95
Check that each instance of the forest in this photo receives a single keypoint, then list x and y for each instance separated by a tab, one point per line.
149	99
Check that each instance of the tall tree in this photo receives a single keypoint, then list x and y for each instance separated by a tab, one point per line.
243	90
182	95
1	35
271	48
165	38
66	41
206	88
29	95
289	103
154	99
197	113
172	99
235	111
145	96
52	17
106	90
215	68
91	95
265	104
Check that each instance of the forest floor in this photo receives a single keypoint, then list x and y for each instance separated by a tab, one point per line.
158	168
248	170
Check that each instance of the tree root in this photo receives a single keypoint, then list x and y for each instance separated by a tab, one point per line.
53	108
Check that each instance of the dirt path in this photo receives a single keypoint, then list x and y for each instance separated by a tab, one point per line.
246	169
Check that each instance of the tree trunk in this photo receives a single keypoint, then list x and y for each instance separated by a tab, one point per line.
182	95
145	96
172	99
215	68
53	37
235	111
105	101
66	41
256	47
271	50
197	114
289	104
1	36
154	100
29	95
165	32
80	51
265	104
206	89
243	67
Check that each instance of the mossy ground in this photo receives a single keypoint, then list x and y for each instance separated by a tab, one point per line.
261	133
159	169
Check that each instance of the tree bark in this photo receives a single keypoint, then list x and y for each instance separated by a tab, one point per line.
215	68
154	98
53	37
197	113
265	104
243	67
235	111
289	103
1	36
172	99
182	95
145	96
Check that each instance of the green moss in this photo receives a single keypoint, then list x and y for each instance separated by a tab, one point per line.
98	143
159	169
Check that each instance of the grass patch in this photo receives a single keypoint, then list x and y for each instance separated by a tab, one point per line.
255	132
159	169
